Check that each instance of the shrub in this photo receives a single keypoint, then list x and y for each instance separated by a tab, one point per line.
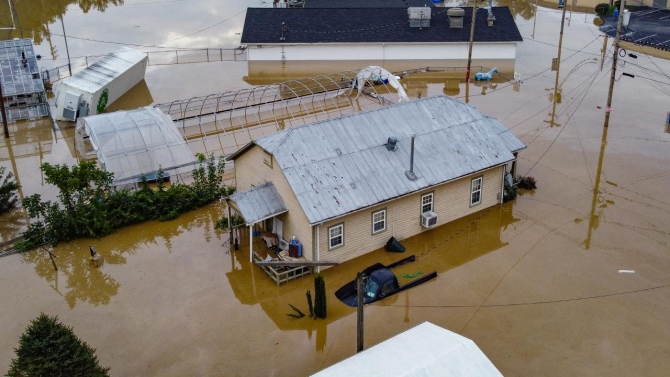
90	207
526	183
8	189
320	297
602	9
49	348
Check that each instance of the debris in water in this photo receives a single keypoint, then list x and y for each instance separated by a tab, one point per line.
626	271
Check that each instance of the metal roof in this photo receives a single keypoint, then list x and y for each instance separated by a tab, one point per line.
367	3
102	72
425	350
259	203
341	165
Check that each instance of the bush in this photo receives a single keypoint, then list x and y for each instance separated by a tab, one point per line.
602	9
510	193
90	207
320	297
8	189
526	183
49	348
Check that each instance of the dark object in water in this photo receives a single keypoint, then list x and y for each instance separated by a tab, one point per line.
93	252
380	283
394	246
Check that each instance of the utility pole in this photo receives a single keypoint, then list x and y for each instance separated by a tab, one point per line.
534	20
472	37
614	63
558	68
4	113
67	51
359	312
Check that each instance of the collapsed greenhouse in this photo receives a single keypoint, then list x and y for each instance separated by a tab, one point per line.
137	143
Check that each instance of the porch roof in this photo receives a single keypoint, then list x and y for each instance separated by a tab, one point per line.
258	203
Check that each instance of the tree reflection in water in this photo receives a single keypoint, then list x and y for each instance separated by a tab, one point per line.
36	15
78	280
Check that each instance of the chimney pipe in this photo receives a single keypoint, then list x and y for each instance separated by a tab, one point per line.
410	173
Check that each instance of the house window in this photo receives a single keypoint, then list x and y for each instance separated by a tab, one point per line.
336	236
267	159
427	203
476	191
378	221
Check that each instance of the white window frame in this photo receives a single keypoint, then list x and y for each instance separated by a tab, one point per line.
331	237
431	203
383	221
477	190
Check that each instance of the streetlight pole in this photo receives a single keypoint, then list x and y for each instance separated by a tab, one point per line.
615	58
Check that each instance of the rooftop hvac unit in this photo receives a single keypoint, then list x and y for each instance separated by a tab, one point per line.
419	16
428	219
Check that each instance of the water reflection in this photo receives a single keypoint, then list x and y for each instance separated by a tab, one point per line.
440	249
78	280
36	15
594	219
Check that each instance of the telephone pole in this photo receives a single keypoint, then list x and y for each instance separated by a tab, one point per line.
558	68
614	63
472	37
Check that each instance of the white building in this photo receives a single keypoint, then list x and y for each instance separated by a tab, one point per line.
285	41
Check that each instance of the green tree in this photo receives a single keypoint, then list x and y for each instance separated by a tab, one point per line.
8	189
49	348
320	297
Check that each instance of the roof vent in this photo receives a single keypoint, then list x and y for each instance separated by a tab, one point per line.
456	18
392	143
419	16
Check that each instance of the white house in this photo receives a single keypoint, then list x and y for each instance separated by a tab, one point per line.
292	40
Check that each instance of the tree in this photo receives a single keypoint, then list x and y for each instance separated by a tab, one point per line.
49	348
8	189
320	299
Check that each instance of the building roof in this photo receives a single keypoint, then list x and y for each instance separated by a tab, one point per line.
425	350
135	143
367	3
259	203
102	72
361	25
340	165
16	78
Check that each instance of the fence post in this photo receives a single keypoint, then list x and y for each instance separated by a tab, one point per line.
221	54
234	55
176	53
86	57
148	62
207	49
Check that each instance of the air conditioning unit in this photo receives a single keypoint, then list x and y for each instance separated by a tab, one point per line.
428	219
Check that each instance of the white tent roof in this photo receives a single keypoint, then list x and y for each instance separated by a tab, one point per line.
425	350
135	143
102	72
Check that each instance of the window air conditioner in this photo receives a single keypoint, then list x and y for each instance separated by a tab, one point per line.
428	219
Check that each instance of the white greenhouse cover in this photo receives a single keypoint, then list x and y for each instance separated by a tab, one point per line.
134	143
425	350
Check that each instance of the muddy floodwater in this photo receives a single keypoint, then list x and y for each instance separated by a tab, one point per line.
570	279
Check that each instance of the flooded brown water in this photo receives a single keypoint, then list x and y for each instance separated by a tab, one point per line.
543	285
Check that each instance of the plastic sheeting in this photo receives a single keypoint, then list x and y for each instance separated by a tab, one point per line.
135	143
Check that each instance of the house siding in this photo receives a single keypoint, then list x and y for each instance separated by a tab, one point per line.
251	170
451	201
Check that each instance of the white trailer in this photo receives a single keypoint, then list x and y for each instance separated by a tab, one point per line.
100	84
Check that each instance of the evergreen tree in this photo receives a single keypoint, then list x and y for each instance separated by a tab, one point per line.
8	189
320	297
49	348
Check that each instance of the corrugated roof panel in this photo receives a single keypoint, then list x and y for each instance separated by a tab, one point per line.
341	165
259	202
102	72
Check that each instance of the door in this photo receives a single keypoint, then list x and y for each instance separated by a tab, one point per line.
278	228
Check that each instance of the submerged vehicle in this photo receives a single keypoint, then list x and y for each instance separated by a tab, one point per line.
380	282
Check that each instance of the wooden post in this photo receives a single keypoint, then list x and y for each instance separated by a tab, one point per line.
359	312
251	243
230	227
4	113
